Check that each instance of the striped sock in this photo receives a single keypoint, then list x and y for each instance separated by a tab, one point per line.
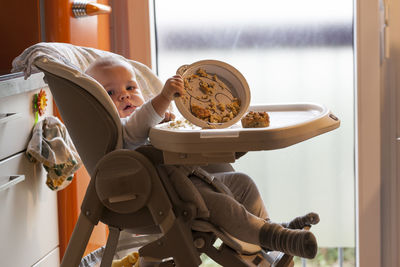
302	221
300	243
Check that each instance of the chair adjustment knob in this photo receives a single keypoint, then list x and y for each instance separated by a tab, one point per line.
199	242
122	183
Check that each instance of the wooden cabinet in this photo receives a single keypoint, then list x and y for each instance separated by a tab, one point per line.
27	22
20	28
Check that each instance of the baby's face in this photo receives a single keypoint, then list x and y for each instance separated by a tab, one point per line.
119	80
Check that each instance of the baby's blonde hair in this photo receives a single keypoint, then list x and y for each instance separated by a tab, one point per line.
103	62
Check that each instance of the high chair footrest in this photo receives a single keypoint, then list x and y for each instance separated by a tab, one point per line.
224	255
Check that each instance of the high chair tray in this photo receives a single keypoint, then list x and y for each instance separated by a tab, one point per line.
289	125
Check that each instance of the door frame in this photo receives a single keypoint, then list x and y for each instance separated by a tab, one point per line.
390	125
377	41
132	30
368	133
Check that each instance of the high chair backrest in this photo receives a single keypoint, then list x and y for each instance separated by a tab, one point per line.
84	105
86	110
93	128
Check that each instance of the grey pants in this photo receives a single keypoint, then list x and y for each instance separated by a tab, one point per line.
242	214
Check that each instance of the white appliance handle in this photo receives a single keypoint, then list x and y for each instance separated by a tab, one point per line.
5	117
8	181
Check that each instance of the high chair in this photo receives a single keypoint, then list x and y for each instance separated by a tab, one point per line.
129	190
132	190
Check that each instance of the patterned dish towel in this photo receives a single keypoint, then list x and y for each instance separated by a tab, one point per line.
51	145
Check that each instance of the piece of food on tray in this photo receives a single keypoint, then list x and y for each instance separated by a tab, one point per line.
180	124
208	98
255	119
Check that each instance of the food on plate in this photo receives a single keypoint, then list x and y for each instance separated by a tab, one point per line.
255	119
201	113
208	98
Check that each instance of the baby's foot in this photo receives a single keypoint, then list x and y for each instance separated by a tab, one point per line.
302	221
300	243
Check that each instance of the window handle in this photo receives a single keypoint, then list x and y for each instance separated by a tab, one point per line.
84	8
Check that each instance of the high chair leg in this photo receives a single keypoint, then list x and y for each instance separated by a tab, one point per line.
285	261
112	242
176	243
77	244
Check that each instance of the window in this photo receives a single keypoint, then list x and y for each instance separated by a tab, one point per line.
289	51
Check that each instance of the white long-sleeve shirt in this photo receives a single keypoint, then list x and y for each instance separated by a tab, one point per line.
136	127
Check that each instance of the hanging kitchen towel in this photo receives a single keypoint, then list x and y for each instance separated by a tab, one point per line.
51	145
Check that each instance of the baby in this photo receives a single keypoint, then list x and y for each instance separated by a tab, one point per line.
241	213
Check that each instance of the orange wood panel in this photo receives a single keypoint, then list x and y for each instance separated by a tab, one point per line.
67	203
57	20
19	29
100	231
94	32
67	216
61	26
103	29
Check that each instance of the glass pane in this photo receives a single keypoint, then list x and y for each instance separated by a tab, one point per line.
289	51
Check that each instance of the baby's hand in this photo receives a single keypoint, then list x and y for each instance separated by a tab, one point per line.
173	87
168	116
